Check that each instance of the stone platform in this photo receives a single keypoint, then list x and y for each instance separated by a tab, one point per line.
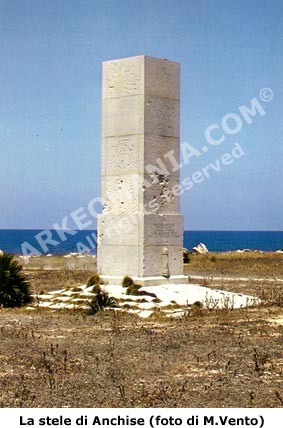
147	280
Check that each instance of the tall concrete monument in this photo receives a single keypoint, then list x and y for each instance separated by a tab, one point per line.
140	230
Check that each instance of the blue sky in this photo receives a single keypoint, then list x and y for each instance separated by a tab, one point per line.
50	103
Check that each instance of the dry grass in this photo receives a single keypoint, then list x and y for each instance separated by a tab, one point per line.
228	358
49	280
254	264
212	359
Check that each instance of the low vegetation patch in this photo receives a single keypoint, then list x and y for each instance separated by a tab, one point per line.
14	287
94	280
100	301
267	264
76	289
133	289
127	282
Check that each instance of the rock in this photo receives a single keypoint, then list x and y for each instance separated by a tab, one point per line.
200	249
145	314
1	252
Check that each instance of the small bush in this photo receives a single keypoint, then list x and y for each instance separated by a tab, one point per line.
94	280
100	301
96	289
186	256
133	289
196	309
146	293
14	288
76	289
127	282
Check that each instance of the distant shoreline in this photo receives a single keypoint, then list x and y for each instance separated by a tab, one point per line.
215	241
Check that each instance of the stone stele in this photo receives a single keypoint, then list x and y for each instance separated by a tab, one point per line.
140	230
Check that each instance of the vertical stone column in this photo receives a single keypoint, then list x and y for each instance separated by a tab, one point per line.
140	225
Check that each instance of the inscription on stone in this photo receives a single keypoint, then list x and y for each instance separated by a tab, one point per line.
167	230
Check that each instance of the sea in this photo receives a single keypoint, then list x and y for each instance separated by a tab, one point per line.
13	241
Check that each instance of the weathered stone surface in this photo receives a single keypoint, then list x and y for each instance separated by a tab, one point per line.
123	77
123	116
119	260
140	222
130	151
159	197
162	116
162	154
162	78
119	229
122	193
163	230
153	260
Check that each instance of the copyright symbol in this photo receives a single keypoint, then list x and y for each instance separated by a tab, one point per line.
266	94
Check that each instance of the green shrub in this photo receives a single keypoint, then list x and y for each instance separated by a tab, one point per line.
14	288
100	301
94	280
127	282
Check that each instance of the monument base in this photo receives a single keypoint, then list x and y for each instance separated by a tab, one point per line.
147	280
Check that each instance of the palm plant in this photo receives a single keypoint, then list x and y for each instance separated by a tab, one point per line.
14	288
100	301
